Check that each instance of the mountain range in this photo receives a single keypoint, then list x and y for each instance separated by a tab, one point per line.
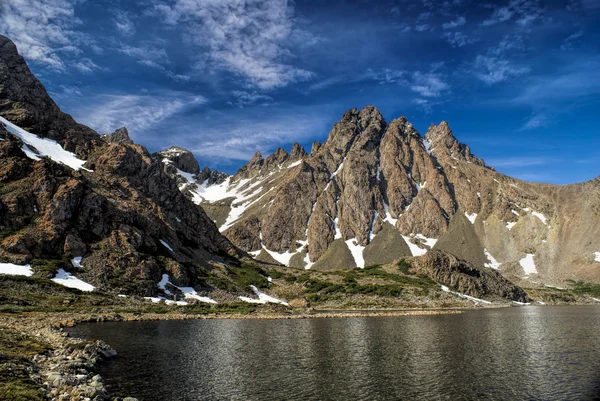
376	191
373	192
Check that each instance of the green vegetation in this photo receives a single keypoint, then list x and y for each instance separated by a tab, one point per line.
49	267
404	267
15	351
584	288
372	280
240	278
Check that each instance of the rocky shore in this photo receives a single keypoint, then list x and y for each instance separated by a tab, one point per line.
67	372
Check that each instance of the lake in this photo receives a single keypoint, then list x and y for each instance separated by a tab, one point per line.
519	353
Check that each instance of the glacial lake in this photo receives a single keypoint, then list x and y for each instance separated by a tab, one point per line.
519	353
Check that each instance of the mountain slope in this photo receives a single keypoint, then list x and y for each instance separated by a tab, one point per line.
313	210
115	206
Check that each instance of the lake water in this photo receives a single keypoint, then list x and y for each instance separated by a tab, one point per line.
525	353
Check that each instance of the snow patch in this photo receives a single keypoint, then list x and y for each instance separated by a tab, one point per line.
521	303
76	262
388	215
263	298
446	289
528	264
427	145
68	280
597	257
357	252
515	212
541	217
166	245
188	292
494	264
510	225
415	249
44	146
308	264
15	270
471	217
283	258
294	164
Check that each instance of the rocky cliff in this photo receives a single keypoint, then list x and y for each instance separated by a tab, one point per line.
376	191
67	192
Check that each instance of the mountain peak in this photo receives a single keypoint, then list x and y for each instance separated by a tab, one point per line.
183	159
119	136
297	152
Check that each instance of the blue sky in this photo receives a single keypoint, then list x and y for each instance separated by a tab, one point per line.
517	80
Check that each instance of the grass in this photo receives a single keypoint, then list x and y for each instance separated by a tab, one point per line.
584	288
15	351
356	281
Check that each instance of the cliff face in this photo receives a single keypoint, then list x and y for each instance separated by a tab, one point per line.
376	191
102	198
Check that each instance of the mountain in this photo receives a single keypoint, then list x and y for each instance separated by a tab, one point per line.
377	191
67	192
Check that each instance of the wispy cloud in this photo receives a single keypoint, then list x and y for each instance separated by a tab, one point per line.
107	112
492	70
40	28
550	95
459	21
245	98
457	39
571	40
523	12
123	23
225	140
87	66
246	37
430	84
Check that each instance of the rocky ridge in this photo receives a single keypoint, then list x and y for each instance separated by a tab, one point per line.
116	208
377	191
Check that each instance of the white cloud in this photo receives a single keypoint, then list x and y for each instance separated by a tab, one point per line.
455	24
105	113
524	12
157	55
40	27
244	98
123	23
168	73
428	84
86	66
239	138
571	39
422	27
492	70
247	37
457	39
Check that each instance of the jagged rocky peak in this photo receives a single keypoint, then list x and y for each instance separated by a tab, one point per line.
181	158
119	136
297	152
250	169
315	147
441	141
276	159
211	177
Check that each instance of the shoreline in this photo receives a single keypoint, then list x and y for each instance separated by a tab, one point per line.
67	371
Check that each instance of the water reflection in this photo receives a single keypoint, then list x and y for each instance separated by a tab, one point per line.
513	353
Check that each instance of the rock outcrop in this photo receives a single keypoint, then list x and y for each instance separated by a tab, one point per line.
120	212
